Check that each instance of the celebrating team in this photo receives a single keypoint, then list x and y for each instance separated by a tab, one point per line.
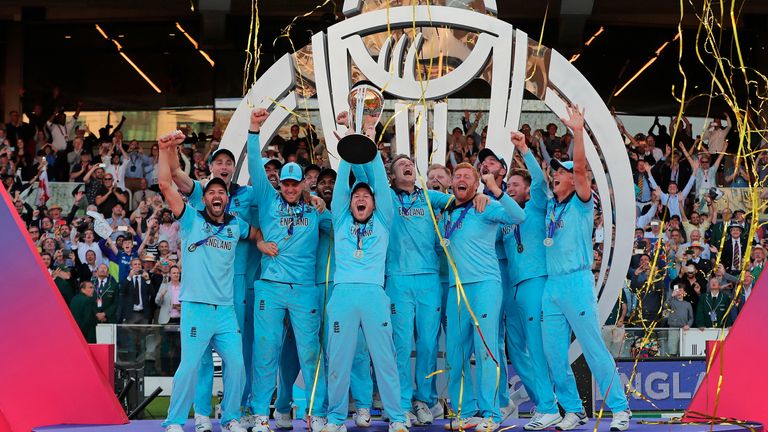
373	278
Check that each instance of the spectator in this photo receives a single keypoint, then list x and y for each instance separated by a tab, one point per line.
291	145
672	171
734	248
123	256
62	129
649	291
702	265
88	244
757	263
141	194
87	269
117	165
712	306
169	230
134	306
83	309
150	169
715	134
691	281
137	163
168	298
94	182
674	199
110	195
107	291
746	291
679	315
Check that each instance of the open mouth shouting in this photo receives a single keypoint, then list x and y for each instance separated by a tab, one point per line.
217	204
462	187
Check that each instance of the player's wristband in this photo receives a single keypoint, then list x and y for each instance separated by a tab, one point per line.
253	132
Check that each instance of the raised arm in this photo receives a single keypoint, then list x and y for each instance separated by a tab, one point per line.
719	159
341	192
691	180
509	212
538	184
172	196
380	186
183	182
261	185
575	122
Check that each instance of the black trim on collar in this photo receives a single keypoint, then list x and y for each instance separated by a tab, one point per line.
227	218
453	206
568	198
398	191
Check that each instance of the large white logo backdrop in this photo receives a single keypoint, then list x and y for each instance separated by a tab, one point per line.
357	48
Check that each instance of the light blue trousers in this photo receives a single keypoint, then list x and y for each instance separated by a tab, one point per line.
272	303
353	307
569	303
416	310
203	325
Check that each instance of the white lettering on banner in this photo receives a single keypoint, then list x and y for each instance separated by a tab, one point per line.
659	385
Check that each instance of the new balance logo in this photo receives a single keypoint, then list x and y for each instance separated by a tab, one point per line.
393	309
193	332
262	305
336	327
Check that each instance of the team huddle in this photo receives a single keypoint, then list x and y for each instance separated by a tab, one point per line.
372	268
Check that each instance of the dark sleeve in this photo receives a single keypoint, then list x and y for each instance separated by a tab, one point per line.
699	321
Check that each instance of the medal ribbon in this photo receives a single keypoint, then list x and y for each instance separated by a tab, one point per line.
450	228
518	239
360	231
552	222
294	219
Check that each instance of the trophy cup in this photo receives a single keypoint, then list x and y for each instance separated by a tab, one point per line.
365	106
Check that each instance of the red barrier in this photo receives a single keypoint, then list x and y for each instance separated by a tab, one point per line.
48	375
737	367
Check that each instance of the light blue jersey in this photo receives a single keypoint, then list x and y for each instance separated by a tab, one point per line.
574	221
412	249
325	251
373	235
474	237
523	243
293	227
241	198
201	283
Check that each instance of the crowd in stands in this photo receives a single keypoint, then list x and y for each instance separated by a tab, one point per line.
690	251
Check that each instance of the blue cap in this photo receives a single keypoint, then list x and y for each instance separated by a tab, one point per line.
220	151
291	171
567	165
275	162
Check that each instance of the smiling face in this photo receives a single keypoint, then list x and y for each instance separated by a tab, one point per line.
465	183
223	167
291	190
563	183
491	165
215	200
310	179
325	187
272	174
175	274
404	172
438	179
519	189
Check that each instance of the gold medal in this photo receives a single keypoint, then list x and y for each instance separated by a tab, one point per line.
548	242
445	242
358	254
192	247
520	248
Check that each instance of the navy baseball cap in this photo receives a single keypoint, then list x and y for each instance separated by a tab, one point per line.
220	151
484	153
215	181
291	171
327	172
275	162
567	165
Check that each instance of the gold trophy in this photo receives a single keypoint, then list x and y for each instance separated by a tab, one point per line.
366	103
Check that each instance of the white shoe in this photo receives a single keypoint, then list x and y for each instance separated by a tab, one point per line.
438	411
620	420
398	427
330	427
423	414
174	428
248	421
234	426
283	421
487	425
203	423
362	417
543	421
571	421
507	411
465	423
318	424
260	423
410	419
